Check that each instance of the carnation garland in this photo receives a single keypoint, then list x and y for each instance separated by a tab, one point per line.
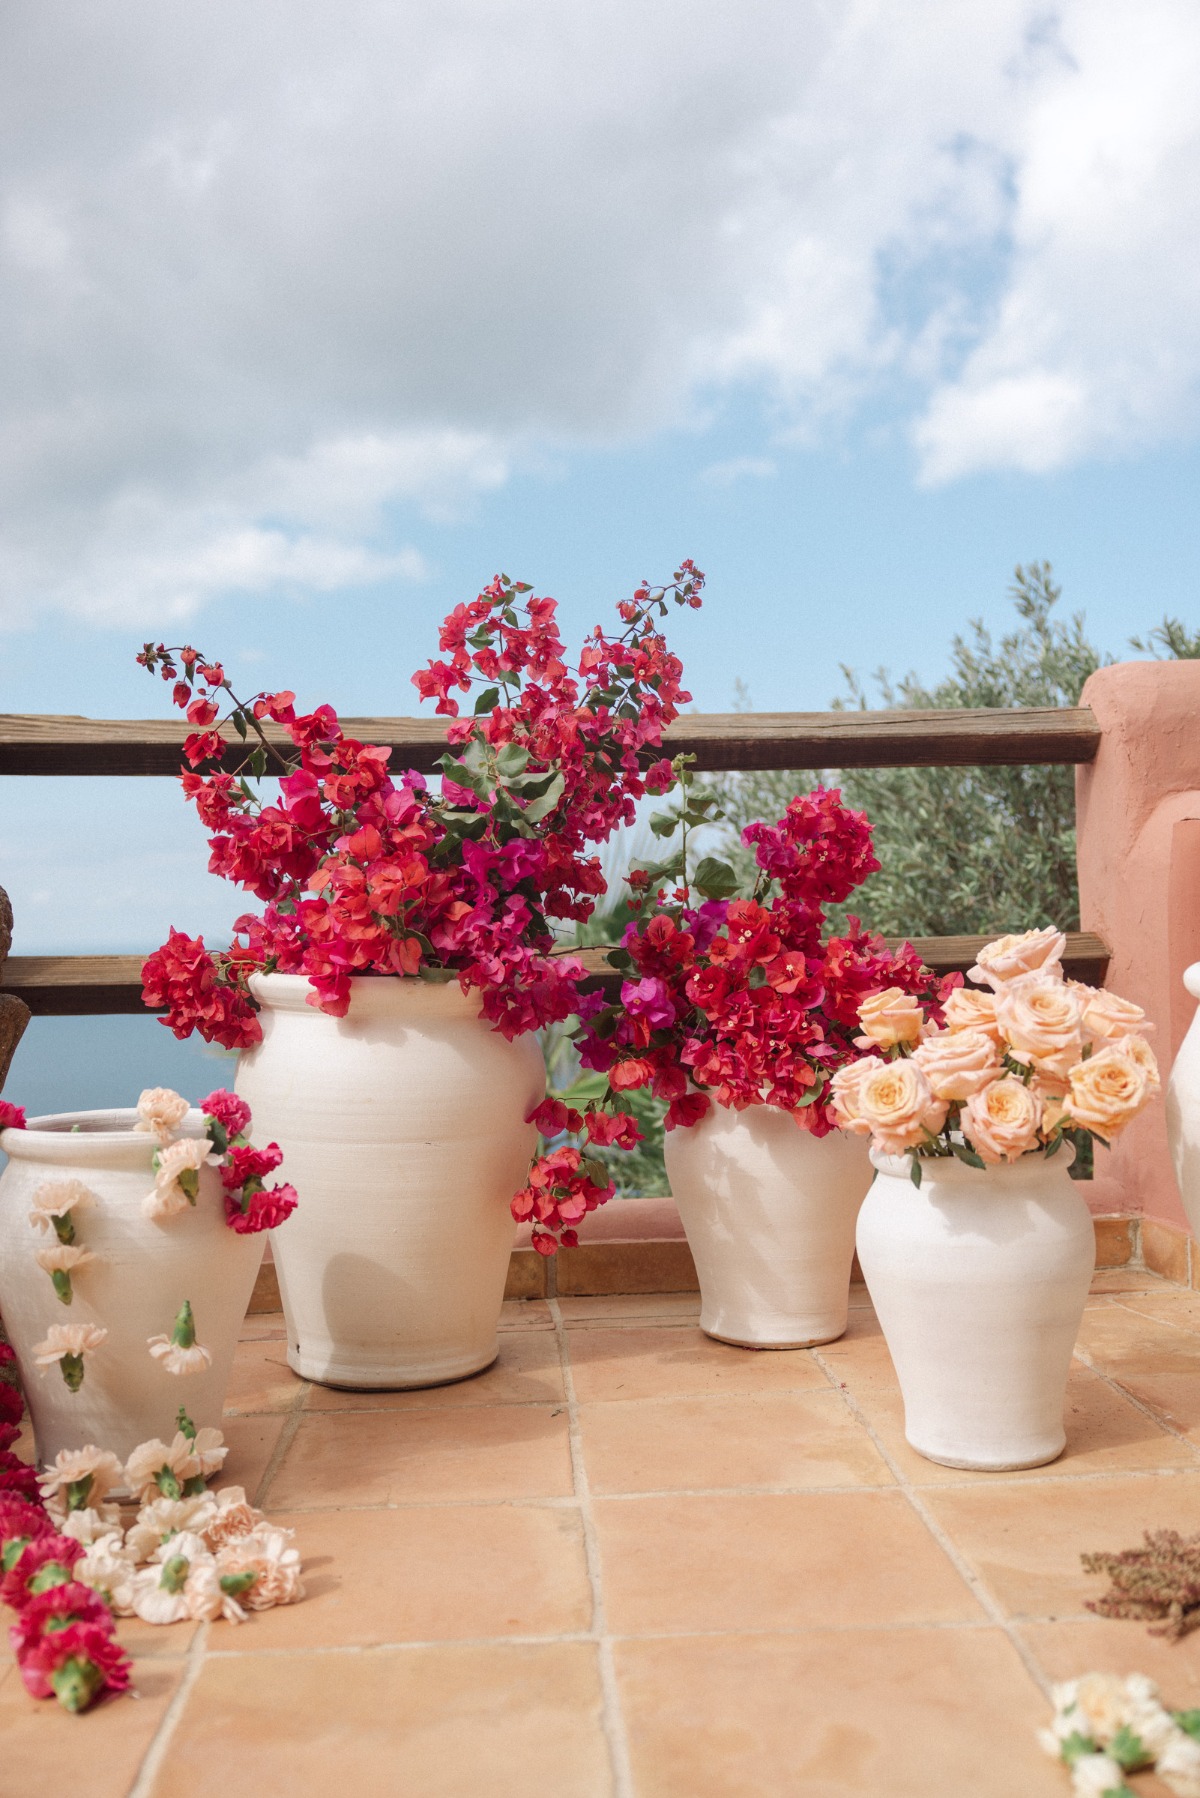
360	874
69	1568
1104	1727
1031	1062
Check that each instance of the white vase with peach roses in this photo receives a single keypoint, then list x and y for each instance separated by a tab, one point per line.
976	1245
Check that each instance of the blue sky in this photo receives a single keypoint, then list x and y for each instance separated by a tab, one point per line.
316	321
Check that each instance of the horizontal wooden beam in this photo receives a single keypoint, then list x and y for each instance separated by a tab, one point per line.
32	744
90	985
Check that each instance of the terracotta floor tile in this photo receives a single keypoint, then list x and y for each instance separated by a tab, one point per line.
392	1457
1106	1433
1129	1279
264	1326
772	1561
431	1574
526	1371
1157	1362
1025	1539
445	1722
261	1379
1107	1645
525	1314
902	1714
618	1308
47	1754
1179	1308
793	1439
656	1362
252	1442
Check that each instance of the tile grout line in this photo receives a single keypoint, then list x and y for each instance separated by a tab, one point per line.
613	1716
287	1435
1083	1356
974	1583
156	1753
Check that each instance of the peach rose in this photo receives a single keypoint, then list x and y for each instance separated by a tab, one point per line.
1043	1024
1139	1050
1108	1090
896	1103
1016	957
1106	1015
969	1009
957	1063
891	1017
1001	1120
843	1095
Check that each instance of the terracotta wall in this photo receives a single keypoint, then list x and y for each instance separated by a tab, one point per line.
1139	887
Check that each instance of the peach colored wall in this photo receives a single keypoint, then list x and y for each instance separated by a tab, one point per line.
1139	887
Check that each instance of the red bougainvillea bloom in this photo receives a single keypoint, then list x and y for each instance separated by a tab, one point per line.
743	999
358	872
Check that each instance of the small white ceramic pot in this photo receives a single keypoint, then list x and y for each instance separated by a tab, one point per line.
769	1212
403	1130
1183	1110
979	1279
143	1271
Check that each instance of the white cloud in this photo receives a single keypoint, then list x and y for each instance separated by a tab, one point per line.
739	468
276	279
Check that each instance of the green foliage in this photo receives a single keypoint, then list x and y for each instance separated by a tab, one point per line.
962	849
1170	641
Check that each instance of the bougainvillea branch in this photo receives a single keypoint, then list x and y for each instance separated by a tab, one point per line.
359	873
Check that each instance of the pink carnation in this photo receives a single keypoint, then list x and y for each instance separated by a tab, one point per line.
12	1117
232	1113
264	1210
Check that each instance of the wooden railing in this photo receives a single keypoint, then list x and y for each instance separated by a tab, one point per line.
70	985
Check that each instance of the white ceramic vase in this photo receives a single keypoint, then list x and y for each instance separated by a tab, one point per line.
143	1271
979	1279
403	1130
1183	1110
769	1212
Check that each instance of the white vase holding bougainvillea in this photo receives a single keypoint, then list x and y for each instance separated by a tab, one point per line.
769	1211
403	1124
152	1280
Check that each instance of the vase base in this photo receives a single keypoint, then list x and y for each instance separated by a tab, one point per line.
795	1342
386	1379
974	1464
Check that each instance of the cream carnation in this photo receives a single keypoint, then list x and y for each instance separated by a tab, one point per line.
891	1017
206	1598
169	1196
844	1093
166	1517
1107	1091
61	1260
151	1459
1097	1776
1179	1765
1001	1121
160	1112
268	1554
233	1517
957	1063
1016	957
896	1103
58	1198
179	1360
95	1524
111	1572
1042	1021
93	1472
69	1345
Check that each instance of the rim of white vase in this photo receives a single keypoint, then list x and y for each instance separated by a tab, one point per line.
370	995
83	1137
948	1167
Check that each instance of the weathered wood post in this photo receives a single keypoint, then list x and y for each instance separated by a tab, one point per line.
14	1014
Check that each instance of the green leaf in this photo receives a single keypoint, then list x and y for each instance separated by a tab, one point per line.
813	1094
540	808
487	701
966	1153
238	720
619	958
435	976
715	878
1054	1145
258	761
594	1170
1129	1750
1189	1722
512	760
664	824
914	1170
